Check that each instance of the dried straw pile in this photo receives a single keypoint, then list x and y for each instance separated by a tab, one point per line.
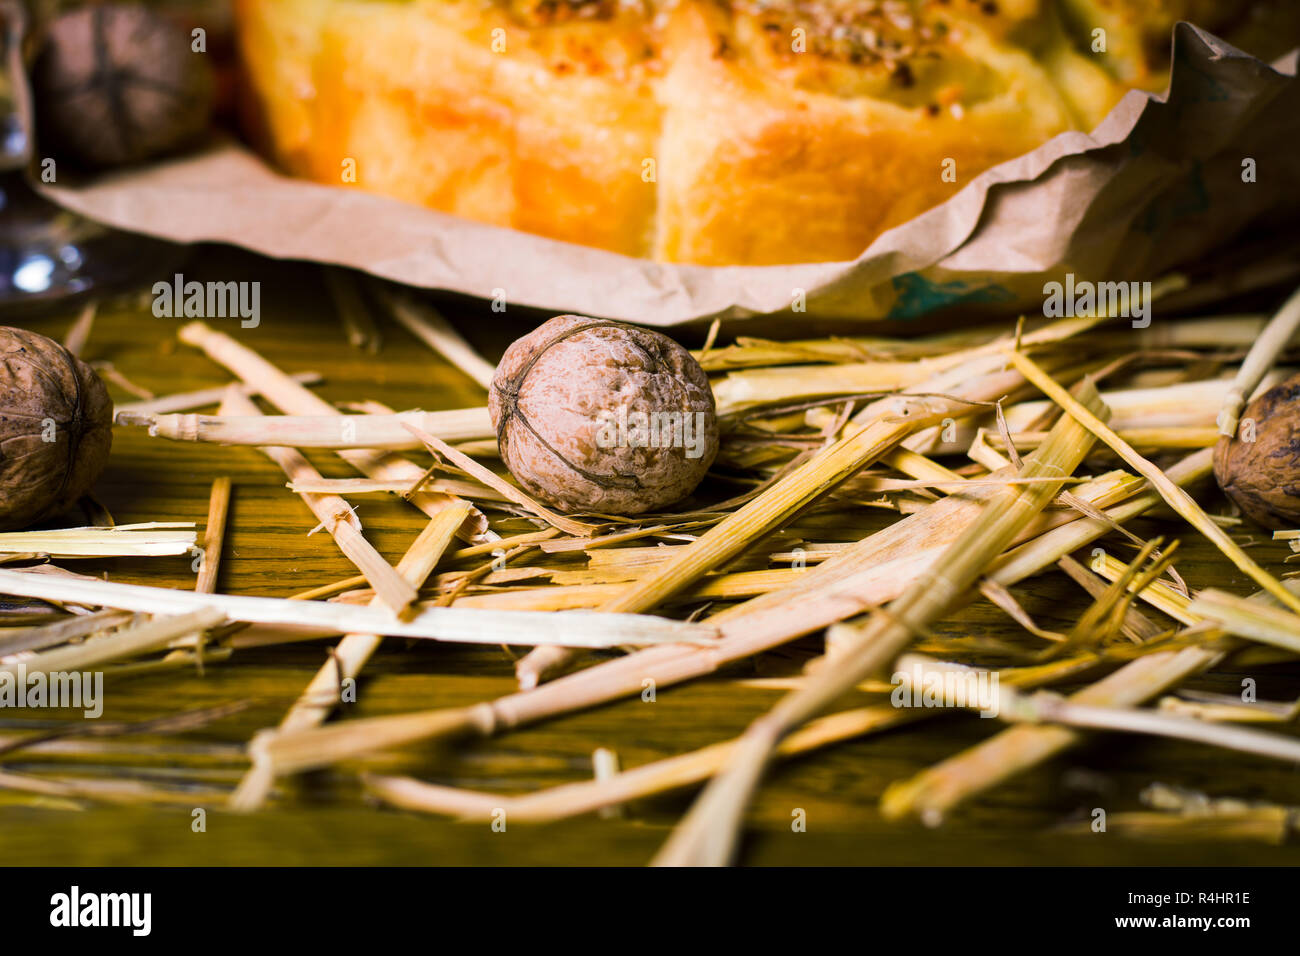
997	454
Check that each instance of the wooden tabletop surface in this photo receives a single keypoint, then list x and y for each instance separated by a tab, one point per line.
324	818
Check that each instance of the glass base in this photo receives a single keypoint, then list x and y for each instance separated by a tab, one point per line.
51	257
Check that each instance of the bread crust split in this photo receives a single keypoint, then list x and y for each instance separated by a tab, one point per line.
717	132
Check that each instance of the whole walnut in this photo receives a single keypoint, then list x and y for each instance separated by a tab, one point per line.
56	428
598	416
117	84
1259	469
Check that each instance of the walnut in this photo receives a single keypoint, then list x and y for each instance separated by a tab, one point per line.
603	417
1260	468
56	428
120	84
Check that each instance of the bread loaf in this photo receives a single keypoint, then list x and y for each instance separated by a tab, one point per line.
717	132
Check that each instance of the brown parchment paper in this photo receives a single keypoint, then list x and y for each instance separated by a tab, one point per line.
1158	183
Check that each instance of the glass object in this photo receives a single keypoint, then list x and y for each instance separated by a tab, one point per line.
47	254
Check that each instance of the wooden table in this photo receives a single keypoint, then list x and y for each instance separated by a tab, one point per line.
324	819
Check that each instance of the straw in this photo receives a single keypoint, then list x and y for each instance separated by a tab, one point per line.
369	486
1263	353
716	587
424	322
290	397
826	595
1246	618
130	642
1264	825
742	390
214	536
706	836
79	334
1229	708
677	772
317	431
168	723
935	791
457	625
500	485
1156	593
321	695
463	554
1180	405
128	792
60	632
1175	497
1135	625
605	766
183	401
1016	707
358	324
149	539
337	517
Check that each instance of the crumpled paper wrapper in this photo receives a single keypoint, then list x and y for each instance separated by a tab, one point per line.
1157	184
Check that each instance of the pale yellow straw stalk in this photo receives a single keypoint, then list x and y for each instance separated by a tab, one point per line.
934	792
183	401
457	625
60	632
1279	332
500	485
1157	593
1246	618
1014	706
1258	824
321	695
369	486
748	352
1166	437
1175	497
354	316
384	432
120	645
605	766
715	587
706	836
1182	405
1229	708
337	518
829	593
794	383
77	337
151	539
462	554
286	394
683	770
129	792
424	322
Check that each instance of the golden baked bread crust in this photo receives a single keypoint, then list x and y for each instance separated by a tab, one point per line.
717	132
